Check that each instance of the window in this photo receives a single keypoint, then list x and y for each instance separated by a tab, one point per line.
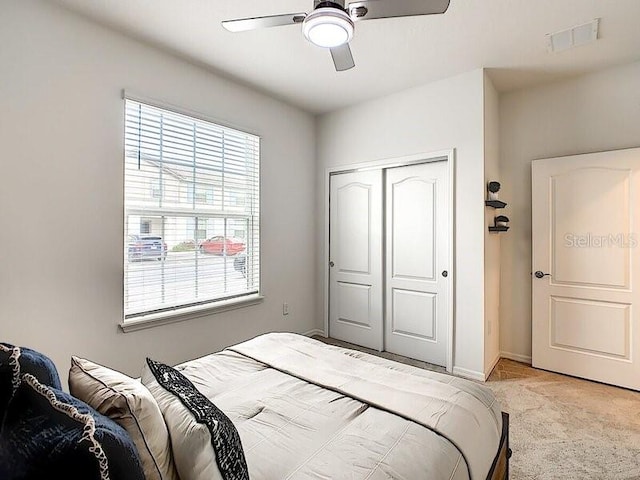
156	189
199	193
145	226
189	242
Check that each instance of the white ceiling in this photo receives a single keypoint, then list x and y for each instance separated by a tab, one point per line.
506	36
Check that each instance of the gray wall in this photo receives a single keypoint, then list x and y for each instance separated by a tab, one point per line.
439	116
492	241
591	113
61	195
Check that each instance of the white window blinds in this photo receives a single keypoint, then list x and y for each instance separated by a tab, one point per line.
192	233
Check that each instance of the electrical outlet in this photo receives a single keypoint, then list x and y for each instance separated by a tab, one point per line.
285	309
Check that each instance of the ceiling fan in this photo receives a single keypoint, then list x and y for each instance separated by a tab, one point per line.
331	25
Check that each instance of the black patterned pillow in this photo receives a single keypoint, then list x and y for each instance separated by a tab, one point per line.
38	365
9	377
204	441
50	434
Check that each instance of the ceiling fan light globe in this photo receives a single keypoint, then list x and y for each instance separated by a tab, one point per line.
328	35
328	27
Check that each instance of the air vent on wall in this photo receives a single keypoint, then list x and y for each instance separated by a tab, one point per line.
573	37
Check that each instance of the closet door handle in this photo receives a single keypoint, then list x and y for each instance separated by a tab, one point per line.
445	273
331	264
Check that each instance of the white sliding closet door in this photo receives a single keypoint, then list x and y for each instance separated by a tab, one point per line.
417	256
355	278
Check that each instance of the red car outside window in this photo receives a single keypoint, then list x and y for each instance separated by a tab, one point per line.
220	245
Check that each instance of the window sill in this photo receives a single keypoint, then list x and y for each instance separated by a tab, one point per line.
165	318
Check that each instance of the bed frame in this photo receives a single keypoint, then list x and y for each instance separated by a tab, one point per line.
500	467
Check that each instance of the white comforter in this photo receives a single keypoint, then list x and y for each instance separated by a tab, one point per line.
306	410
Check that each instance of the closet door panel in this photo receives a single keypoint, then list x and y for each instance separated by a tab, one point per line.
355	275
416	261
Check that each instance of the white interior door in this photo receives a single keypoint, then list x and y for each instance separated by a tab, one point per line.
585	219
355	273
417	257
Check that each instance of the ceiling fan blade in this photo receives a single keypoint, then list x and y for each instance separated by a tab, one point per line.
370	9
342	58
244	24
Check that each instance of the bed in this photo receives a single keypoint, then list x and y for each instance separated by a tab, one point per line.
306	410
296	408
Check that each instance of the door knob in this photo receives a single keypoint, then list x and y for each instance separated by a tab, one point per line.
331	264
445	274
540	274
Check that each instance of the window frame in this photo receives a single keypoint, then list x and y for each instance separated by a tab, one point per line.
181	313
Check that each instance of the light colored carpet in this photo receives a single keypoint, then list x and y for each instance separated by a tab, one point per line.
566	428
561	427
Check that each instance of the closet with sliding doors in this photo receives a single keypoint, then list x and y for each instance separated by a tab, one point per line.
390	238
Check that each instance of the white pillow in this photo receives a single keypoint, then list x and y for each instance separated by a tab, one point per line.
126	401
205	443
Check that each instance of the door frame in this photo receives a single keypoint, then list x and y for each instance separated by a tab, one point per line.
439	156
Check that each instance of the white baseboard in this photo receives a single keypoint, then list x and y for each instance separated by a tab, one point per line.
315	331
472	374
517	357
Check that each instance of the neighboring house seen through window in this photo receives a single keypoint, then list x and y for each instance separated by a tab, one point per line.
188	240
